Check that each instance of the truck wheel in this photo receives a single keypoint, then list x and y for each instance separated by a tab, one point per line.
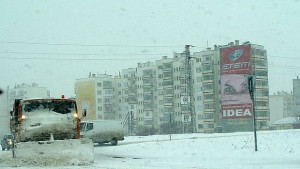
3	148
114	142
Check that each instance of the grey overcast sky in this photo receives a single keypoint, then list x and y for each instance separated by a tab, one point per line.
54	42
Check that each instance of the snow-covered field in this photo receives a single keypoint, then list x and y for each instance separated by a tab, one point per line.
276	150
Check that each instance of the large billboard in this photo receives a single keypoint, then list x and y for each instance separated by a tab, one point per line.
235	66
236	60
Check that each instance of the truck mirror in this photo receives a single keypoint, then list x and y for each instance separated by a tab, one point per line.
84	113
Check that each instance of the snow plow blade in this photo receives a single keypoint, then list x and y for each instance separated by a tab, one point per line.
56	153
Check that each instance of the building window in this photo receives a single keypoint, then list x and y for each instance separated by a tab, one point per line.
99	92
200	117
99	84
108	92
199	98
210	125
99	100
200	126
99	108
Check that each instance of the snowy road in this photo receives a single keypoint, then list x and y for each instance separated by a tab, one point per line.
276	150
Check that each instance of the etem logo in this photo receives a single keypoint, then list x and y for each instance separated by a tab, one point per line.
235	54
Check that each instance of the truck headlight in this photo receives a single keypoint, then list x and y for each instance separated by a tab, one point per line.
9	142
75	115
23	117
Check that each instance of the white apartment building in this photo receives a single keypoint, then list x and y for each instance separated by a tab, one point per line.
158	94
4	115
26	91
206	89
296	98
281	106
95	97
7	99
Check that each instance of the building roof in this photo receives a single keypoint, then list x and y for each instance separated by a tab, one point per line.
288	120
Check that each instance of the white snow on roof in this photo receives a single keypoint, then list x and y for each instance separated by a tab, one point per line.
288	120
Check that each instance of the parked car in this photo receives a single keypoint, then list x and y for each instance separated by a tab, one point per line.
6	142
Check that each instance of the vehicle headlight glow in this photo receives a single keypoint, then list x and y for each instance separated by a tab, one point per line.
9	142
75	115
23	116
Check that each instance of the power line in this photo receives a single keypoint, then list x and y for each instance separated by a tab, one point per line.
282	57
118	59
91	45
72	54
70	59
95	54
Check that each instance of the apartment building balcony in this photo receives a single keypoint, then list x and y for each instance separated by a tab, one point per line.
261	77
210	100
147	77
209	110
131	95
261	98
209	81
263	108
210	91
258	57
168	104
168	92
168	84
257	67
167	67
207	61
209	130
148	92
262	118
147	84
169	95
207	72
108	87
149	122
167	78
208	120
148	97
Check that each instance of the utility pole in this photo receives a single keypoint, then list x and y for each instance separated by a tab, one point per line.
251	86
189	85
170	124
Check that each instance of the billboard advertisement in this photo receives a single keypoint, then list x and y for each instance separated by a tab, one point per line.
236	60
235	66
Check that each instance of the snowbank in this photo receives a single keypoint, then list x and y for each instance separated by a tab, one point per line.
75	152
276	150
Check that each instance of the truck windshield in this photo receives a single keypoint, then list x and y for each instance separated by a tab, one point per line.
82	126
58	106
9	136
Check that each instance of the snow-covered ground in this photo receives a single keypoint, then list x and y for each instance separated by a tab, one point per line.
276	150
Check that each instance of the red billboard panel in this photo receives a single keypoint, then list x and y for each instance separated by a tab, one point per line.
235	64
237	111
236	60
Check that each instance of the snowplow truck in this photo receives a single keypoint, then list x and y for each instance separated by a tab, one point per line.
47	130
